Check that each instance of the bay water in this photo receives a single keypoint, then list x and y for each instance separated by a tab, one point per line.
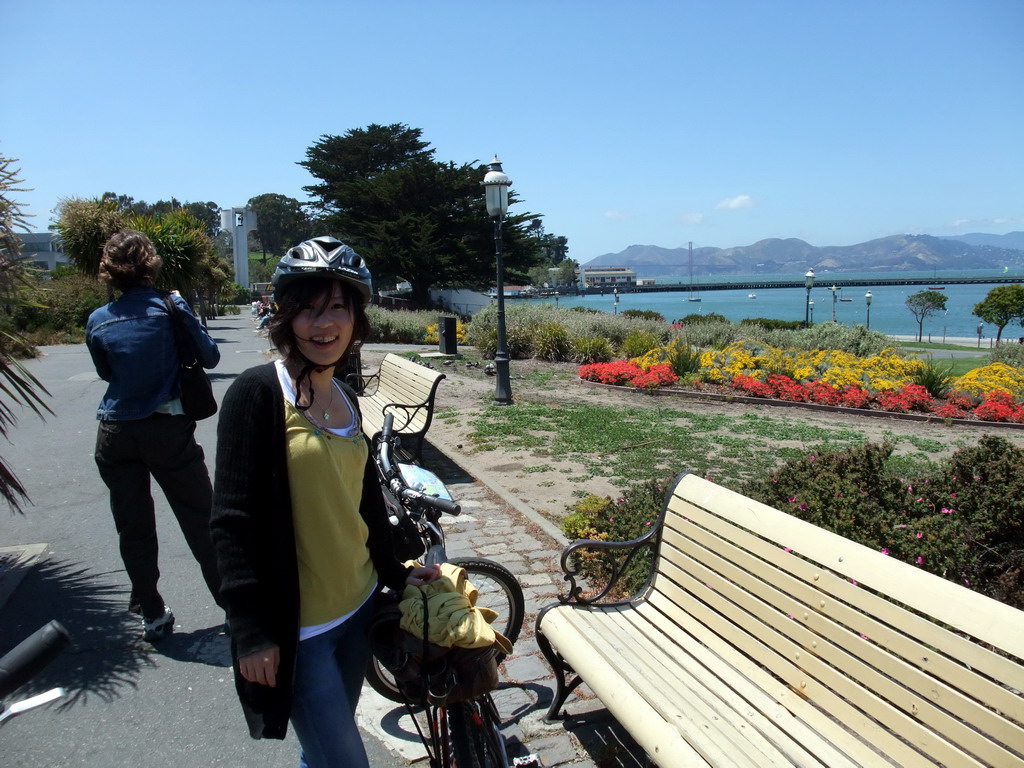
888	311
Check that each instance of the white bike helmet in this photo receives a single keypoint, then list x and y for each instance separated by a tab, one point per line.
322	257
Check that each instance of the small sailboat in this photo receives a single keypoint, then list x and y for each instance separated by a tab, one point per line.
751	295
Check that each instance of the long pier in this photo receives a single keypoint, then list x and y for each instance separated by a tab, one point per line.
820	281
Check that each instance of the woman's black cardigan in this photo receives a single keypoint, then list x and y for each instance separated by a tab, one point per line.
255	540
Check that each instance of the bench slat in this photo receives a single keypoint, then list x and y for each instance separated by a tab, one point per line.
659	735
668	665
803	656
912	637
405	389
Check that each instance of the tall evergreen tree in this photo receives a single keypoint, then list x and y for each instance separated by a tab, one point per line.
411	216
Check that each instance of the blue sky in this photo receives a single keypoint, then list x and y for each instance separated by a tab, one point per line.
651	122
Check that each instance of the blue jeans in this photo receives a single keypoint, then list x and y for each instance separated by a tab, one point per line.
329	671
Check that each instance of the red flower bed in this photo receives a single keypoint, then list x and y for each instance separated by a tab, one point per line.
996	406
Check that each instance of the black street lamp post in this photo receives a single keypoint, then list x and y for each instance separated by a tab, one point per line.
811	305
867	299
496	185
808	283
834	289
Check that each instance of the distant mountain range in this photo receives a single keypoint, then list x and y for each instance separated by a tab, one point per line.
899	253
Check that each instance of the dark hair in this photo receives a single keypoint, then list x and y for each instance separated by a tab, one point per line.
317	292
129	259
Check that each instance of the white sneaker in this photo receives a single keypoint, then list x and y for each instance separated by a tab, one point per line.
158	628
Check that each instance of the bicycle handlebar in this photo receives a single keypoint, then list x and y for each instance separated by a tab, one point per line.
25	660
418	497
398	486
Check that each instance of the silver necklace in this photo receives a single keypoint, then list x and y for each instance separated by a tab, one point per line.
327	410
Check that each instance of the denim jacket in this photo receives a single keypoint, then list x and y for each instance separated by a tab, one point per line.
131	341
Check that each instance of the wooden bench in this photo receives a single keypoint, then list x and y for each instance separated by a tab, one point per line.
405	389
762	640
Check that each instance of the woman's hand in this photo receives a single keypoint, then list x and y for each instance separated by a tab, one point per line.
423	574
261	667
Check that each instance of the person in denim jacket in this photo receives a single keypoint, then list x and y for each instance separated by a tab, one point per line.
143	430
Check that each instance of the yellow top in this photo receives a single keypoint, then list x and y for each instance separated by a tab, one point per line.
325	472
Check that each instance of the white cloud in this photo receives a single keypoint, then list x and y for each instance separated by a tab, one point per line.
735	203
691	219
618	215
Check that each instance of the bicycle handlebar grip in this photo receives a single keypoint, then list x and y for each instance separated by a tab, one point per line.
445	505
27	659
389	423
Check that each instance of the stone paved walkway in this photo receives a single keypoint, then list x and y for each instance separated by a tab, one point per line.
497	526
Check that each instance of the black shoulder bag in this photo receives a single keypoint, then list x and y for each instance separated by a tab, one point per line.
196	390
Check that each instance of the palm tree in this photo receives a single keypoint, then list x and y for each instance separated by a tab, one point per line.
17	385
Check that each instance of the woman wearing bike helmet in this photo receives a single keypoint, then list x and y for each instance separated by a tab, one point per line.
302	537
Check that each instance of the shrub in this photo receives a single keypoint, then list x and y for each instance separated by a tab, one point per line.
643	314
602	519
639	343
592	349
395	327
552	343
771	324
1010	353
61	305
964	522
937	379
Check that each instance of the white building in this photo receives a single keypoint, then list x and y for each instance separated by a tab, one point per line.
42	250
607	277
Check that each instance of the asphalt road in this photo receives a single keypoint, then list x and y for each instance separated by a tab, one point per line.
130	703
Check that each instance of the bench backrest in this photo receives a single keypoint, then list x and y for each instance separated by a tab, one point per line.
929	674
404	382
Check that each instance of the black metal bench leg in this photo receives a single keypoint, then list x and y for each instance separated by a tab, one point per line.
560	667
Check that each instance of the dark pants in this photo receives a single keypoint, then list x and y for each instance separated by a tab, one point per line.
127	453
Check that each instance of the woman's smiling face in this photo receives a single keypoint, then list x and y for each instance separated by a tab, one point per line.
323	327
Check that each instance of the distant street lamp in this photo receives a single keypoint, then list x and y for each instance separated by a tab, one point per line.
808	283
615	292
867	298
834	289
496	185
810	305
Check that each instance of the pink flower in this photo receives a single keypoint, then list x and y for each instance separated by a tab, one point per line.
910	488
792	499
919	534
787	549
920	560
947	511
952	495
885	550
802	507
920	499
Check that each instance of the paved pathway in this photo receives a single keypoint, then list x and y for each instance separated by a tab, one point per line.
174	704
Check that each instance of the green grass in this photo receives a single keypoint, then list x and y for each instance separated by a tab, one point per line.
626	445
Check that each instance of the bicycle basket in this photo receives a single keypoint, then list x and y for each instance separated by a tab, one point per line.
427	673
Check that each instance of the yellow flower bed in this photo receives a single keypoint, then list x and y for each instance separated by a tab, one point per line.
878	373
997	376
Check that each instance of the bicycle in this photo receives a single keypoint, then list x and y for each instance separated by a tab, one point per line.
465	734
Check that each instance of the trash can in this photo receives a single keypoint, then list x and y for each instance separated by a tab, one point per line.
448	343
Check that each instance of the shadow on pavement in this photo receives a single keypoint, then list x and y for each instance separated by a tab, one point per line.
105	654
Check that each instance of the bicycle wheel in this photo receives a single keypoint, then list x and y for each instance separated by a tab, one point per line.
474	735
497	589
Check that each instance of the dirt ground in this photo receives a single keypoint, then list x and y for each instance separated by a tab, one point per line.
468	391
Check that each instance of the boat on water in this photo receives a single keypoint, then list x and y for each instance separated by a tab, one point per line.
936	287
846	299
751	295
